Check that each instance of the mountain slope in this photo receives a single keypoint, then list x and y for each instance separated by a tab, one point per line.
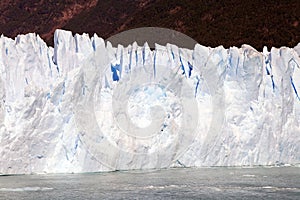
212	23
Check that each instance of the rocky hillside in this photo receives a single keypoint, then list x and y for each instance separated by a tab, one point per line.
212	23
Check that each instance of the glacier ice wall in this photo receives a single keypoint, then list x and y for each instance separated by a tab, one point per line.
84	106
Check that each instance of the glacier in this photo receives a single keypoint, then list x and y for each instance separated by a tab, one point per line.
86	106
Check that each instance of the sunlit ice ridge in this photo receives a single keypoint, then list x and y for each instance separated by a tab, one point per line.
86	106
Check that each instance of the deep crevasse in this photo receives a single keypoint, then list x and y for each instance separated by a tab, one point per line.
62	108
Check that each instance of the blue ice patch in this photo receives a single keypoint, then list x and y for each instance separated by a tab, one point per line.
173	56
94	45
273	84
190	69
197	85
154	67
268	72
114	70
182	66
294	88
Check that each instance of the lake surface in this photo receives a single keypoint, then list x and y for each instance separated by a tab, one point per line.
203	183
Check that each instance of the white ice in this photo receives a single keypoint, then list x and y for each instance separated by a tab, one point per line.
85	106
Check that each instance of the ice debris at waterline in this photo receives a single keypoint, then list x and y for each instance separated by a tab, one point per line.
85	106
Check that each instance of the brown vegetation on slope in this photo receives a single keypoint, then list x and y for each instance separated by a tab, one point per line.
211	23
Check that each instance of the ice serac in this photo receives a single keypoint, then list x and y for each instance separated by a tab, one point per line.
61	108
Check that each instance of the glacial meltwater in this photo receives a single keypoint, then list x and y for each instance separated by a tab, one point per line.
179	183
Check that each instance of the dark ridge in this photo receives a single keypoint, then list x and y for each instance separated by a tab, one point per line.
211	23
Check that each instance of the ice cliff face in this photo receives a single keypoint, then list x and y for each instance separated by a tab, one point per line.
84	106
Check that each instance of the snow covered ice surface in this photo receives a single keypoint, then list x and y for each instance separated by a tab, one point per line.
85	106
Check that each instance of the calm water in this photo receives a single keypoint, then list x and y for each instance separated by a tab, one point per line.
205	183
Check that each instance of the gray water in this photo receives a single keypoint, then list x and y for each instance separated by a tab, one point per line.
204	183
